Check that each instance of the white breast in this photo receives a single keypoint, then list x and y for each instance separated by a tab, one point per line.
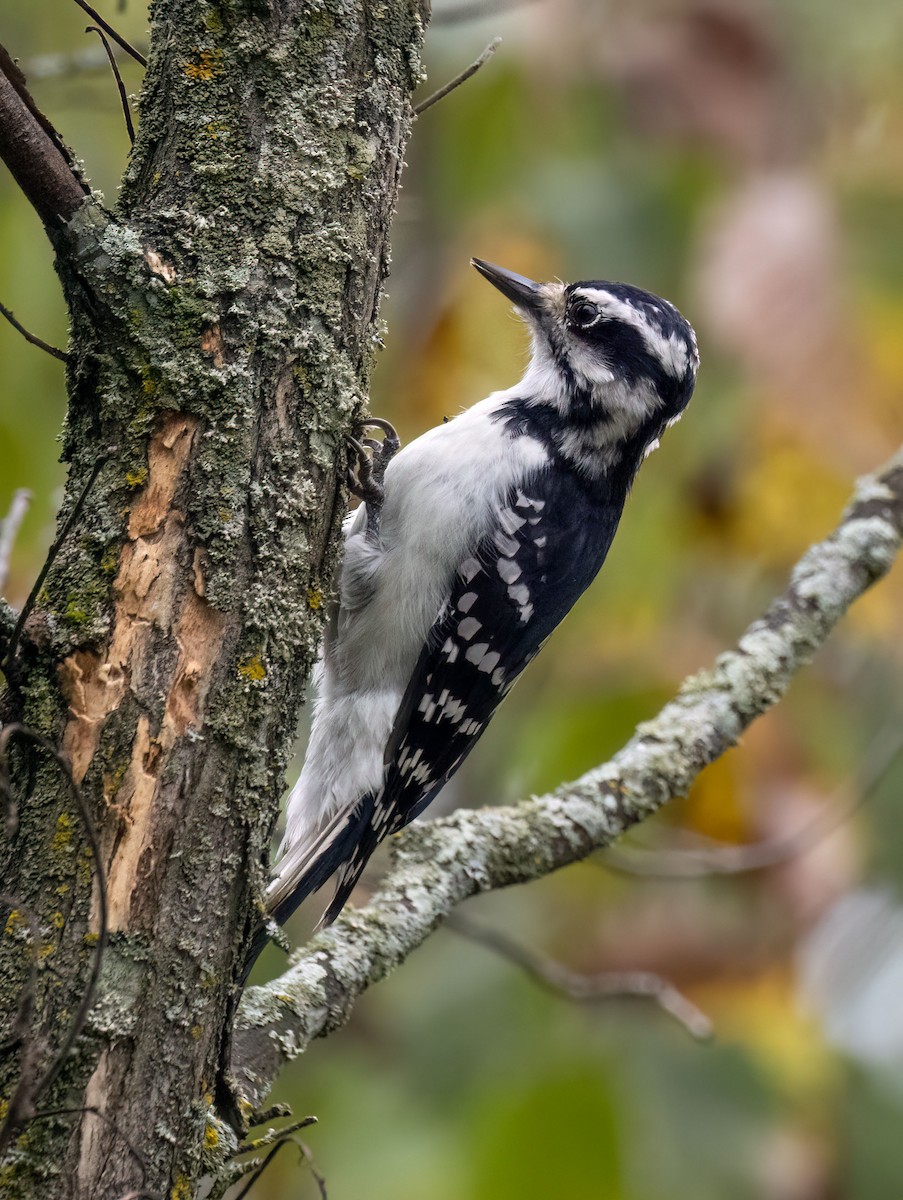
442	493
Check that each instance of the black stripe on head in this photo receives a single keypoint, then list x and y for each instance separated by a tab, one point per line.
638	335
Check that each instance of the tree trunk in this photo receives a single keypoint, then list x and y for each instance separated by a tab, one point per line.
223	319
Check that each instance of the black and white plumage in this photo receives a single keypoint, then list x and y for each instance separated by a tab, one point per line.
491	527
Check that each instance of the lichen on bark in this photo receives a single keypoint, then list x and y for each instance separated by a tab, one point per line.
223	317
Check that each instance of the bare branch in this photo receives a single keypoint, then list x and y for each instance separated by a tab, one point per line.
466	74
54	351
14	74
721	858
438	864
587	989
33	151
9	529
123	98
108	28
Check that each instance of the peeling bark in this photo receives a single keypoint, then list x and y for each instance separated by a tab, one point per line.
223	320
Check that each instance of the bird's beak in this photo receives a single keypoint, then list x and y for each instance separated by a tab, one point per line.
526	294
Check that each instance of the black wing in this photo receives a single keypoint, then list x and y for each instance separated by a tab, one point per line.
550	541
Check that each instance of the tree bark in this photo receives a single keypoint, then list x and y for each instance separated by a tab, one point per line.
223	319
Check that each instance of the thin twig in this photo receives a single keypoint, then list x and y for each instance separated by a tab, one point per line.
76	62
108	28
273	1135
269	1114
587	989
123	97
458	79
9	530
285	1139
23	1110
32	337
7	666
307	1154
260	1170
720	858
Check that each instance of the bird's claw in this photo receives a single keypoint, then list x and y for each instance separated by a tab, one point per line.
372	457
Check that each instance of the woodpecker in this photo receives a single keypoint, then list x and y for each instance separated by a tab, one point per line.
467	552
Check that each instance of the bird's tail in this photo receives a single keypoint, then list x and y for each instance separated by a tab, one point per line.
309	863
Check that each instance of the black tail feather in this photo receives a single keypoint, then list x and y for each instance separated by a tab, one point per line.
342	852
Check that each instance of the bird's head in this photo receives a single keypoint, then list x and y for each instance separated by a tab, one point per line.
615	361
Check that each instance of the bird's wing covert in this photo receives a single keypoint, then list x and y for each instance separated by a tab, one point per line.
549	541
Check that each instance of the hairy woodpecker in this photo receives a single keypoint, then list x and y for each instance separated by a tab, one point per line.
485	532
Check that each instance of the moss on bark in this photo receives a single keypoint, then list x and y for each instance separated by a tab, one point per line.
223	322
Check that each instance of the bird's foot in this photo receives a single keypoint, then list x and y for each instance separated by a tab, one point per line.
372	456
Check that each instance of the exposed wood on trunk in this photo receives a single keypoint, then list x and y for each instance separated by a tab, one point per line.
222	327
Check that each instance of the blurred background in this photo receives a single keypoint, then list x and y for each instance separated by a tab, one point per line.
744	159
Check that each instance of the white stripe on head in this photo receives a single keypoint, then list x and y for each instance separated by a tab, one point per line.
670	350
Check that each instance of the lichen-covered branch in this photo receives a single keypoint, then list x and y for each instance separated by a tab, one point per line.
437	865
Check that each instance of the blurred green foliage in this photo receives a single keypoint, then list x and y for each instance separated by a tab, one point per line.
745	160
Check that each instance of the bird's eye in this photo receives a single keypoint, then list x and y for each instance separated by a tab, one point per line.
584	314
